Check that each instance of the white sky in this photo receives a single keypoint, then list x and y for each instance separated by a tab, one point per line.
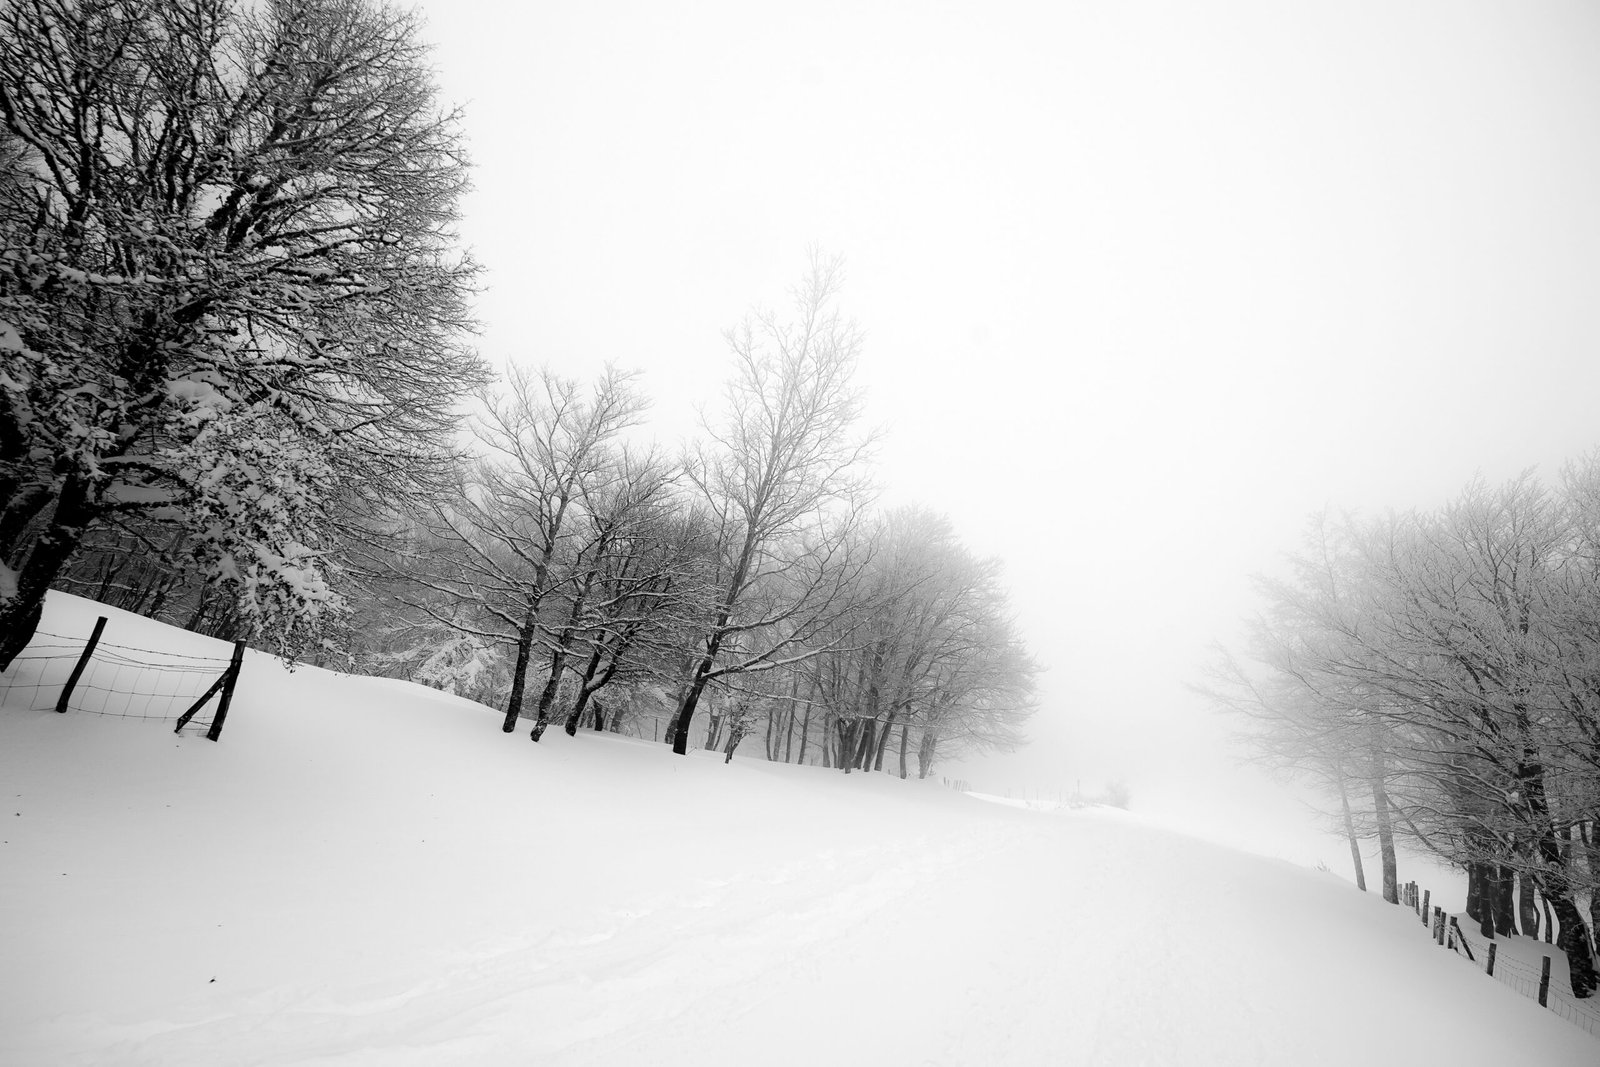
1144	283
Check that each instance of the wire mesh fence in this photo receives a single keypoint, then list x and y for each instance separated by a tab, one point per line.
1542	981
103	677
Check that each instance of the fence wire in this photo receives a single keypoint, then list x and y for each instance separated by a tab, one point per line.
120	681
1517	975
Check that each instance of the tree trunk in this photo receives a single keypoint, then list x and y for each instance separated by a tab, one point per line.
805	733
867	744
584	692
1574	940
1586	832
519	674
1350	834
20	613
883	740
926	751
691	700
905	734
1380	807
788	728
1501	883
735	734
1480	890
552	685
1527	905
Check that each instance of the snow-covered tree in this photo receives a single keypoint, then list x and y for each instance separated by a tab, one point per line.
781	480
228	290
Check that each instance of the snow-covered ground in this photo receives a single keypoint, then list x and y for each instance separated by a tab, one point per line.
368	872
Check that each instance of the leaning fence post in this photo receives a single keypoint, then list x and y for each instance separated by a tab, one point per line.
83	661
1544	983
1426	916
229	679
1492	947
1461	936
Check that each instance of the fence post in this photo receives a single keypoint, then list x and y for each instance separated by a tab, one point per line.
83	661
1425	915
1492	947
1544	983
1461	936
229	679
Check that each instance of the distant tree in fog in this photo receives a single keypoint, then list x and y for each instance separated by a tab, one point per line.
1447	662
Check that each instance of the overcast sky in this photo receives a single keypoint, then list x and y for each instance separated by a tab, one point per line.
1144	284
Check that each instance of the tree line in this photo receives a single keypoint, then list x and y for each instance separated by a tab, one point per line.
235	325
1437	673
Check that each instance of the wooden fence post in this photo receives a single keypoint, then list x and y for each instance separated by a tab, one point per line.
83	661
1426	918
1492	947
1461	936
229	679
1544	983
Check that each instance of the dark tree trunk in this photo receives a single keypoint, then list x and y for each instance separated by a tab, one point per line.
1502	881
691	700
1350	835
1574	940
1527	905
883	740
20	615
708	662
1480	897
584	692
519	675
552	685
905	734
866	745
22	506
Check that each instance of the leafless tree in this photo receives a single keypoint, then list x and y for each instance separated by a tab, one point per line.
1447	659
782	481
513	535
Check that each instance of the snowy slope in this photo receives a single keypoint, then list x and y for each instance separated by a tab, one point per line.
367	872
